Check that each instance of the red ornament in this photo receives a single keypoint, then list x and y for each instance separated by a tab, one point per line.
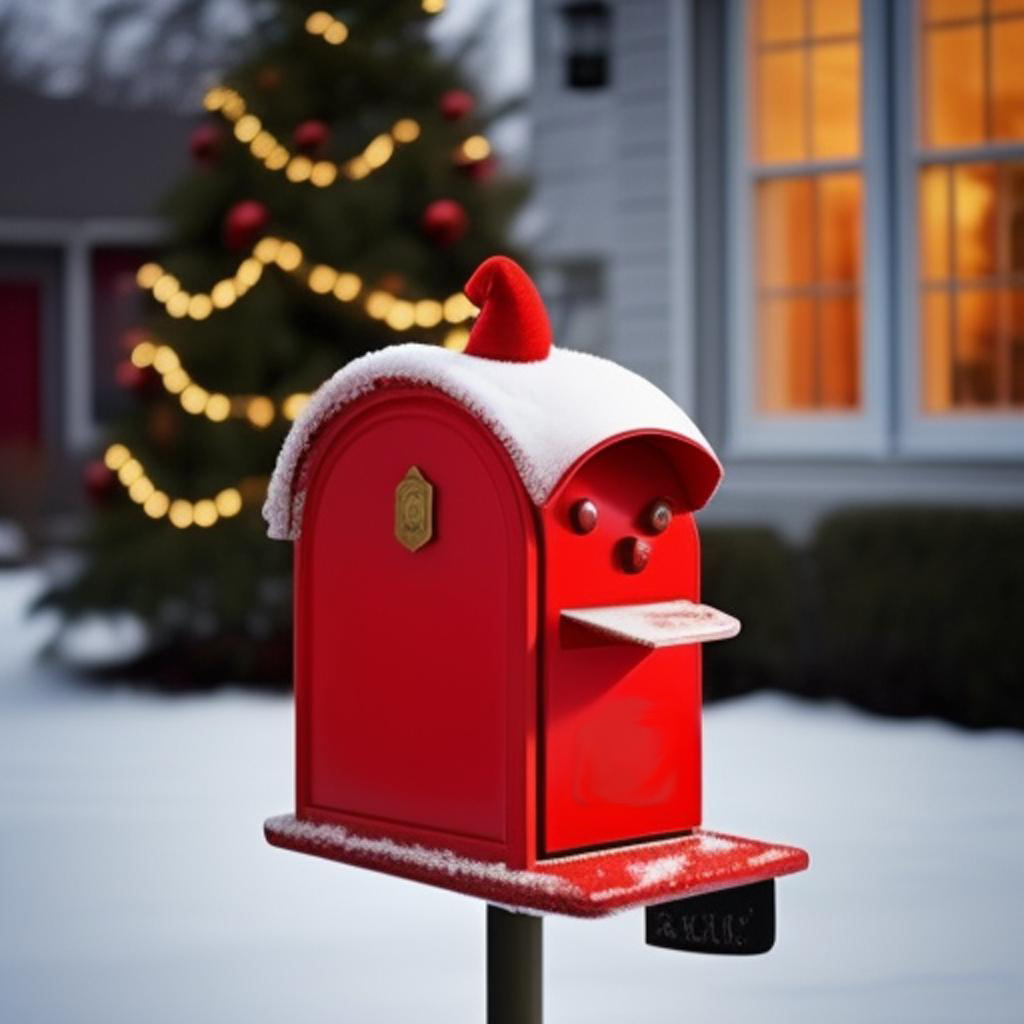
205	143
244	223
98	481
311	136
479	170
456	104
137	380
513	324
444	222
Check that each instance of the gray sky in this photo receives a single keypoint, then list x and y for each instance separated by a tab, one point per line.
56	44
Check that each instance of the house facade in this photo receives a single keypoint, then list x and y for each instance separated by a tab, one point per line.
805	220
77	195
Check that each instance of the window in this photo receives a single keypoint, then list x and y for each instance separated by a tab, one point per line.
876	275
806	181
970	184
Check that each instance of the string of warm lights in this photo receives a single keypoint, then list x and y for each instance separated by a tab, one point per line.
335	31
297	168
473	150
259	410
321	23
181	512
275	156
399	314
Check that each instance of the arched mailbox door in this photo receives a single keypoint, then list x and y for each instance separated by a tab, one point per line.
621	735
413	568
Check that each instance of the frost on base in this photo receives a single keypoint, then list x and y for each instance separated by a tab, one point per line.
579	885
336	838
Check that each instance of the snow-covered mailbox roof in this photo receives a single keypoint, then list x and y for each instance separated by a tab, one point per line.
547	411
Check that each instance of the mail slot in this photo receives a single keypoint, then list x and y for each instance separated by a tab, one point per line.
497	594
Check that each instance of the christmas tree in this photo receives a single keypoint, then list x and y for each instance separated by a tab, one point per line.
344	190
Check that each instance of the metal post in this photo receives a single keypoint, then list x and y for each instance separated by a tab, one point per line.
515	975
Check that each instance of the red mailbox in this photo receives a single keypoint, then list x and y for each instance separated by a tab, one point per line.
498	621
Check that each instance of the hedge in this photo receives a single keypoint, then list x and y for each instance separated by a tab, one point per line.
904	611
921	612
753	574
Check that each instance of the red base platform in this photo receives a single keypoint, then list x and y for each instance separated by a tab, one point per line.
583	885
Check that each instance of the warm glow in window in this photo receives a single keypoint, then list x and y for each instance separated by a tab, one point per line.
972	87
805	148
971	205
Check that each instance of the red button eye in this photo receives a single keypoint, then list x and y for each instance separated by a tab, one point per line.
659	516
584	516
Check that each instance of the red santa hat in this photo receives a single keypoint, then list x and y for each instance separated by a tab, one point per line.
513	324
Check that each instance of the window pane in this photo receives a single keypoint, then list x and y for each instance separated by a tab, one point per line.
835	17
975	366
805	107
976	188
787	354
934	210
835	80
971	231
1016	388
1013	197
1004	372
953	86
941	10
840	331
780	20
785	232
839	226
1007	45
937	383
780	110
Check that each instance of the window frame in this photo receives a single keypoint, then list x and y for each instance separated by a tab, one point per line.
752	431
968	433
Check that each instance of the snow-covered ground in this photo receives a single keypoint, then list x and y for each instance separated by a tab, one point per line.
135	885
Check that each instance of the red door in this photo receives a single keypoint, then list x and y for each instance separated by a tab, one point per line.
411	661
19	362
621	722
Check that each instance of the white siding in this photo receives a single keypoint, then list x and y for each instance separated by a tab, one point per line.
604	175
573	152
640	281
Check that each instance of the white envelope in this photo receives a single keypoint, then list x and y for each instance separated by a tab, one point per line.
658	624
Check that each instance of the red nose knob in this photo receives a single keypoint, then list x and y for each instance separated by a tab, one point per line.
638	554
